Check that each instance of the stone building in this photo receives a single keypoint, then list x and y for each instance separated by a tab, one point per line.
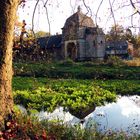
120	48
81	39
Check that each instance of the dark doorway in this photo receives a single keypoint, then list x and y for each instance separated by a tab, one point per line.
71	51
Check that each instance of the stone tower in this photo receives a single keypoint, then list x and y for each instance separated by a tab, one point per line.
80	36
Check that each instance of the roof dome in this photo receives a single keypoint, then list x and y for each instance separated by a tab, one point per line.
79	19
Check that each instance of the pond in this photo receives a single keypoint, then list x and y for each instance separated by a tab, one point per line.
122	115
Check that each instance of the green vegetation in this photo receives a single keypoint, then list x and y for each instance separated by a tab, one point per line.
75	86
63	85
85	70
49	94
72	94
78	87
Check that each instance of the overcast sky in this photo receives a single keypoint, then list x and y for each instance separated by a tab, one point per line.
60	10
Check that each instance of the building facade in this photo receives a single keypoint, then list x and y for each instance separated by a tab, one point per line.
122	49
81	39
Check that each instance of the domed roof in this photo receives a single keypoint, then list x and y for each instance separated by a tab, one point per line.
79	19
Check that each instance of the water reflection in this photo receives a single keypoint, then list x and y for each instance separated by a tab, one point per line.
122	115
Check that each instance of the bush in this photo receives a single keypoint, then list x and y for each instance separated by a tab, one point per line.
73	96
134	62
67	62
115	61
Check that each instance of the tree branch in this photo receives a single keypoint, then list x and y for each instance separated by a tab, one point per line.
47	15
88	8
133	5
113	14
98	11
34	16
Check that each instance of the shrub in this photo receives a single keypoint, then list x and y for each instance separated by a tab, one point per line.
75	97
67	62
134	62
115	61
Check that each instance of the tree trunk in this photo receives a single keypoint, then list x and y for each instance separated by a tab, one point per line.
8	10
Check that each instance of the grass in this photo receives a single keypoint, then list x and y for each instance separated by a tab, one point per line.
117	86
83	70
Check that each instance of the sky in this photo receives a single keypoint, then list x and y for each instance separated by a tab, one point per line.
60	10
